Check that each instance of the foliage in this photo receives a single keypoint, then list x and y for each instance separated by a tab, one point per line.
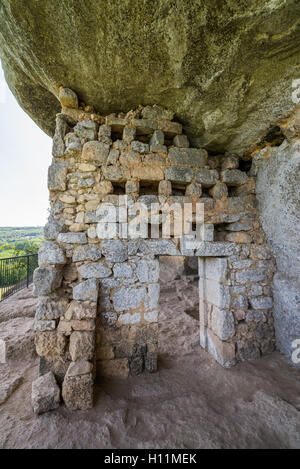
20	241
16	242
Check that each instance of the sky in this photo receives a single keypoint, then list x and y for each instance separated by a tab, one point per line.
25	154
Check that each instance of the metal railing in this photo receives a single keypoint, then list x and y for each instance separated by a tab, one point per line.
16	273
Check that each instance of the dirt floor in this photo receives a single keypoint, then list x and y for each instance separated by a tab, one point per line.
191	402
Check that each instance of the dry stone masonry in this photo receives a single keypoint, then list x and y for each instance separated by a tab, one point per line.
98	306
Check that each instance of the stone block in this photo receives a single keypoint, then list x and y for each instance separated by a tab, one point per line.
156	148
58	146
234	177
206	232
79	368
139	147
259	252
50	344
148	173
86	129
44	325
87	168
144	126
90	252
114	250
255	316
165	188
67	199
148	200
193	190
130	159
255	290
263	302
223	352
53	227
215	269
148	271
181	141
82	345
128	318
57	176
239	226
169	128
84	183
217	294
253	275
128	298
116	173
219	191
74	148
86	291
51	253
207	177
68	98
46	280
158	138
179	174
113	156
72	238
129	134
161	247
94	270
45	395
116	123
104	131
239	237
222	323
214	249
230	162
78	310
123	270
132	187
95	151
188	156
77	391
240	302
187	245
153	296
242	264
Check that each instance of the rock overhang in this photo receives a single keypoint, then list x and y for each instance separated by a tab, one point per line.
226	70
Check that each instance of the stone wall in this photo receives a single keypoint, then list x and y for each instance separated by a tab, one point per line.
99	298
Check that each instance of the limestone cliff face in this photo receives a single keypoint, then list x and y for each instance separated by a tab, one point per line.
278	193
225	67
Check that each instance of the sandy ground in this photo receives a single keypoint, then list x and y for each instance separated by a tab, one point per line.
191	402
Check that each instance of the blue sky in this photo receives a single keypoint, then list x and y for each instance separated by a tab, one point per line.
25	154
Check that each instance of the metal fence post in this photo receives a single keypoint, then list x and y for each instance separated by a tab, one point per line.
27	272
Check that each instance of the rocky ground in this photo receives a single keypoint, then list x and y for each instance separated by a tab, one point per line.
190	403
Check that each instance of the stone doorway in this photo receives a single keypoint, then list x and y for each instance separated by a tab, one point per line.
178	318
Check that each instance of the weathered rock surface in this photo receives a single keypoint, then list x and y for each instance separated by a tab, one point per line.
215	407
22	304
225	69
278	192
